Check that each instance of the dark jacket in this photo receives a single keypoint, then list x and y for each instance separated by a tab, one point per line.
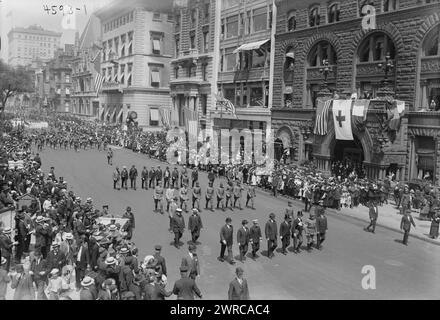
271	230
57	261
321	224
406	223
185	288
255	234
243	236
373	213
237	291
84	259
178	223
192	264
161	262
195	223
285	229
226	233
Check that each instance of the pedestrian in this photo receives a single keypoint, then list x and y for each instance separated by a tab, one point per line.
209	197
6	246
321	228
405	225
158	198
109	156
169	195
297	232
88	289
54	286
194	176
160	261
43	232
38	271
116	179
144	178
185	288
195	225
130	225
373	214
229	192
56	259
173	207
82	261
133	177
124	177
196	195
243	237
152	177
251	194
221	197
238	288
435	222
166	177
174	177
237	195
271	235
285	233
191	261
183	194
226	241
255	237
23	284
4	278
310	231
178	226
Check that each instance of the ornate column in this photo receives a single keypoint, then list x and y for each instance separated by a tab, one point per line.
424	104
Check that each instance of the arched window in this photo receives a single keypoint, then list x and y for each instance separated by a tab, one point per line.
333	13
314	18
431	43
322	51
289	68
389	5
375	48
291	21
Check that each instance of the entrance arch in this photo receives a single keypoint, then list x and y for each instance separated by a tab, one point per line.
347	150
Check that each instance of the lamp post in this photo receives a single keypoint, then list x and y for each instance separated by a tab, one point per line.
385	90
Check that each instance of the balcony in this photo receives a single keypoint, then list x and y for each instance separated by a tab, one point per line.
424	118
314	73
257	74
113	85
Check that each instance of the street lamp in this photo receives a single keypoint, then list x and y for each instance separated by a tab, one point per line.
387	67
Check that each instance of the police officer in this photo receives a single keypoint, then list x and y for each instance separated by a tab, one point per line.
285	233
196	195
195	225
178	226
209	195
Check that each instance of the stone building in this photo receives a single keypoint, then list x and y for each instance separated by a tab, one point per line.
137	49
344	47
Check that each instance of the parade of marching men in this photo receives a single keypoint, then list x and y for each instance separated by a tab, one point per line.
220	150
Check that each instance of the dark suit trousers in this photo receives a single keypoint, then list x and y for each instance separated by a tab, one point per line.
177	236
133	183
320	237
195	235
243	250
285	242
297	241
166	182
405	236
255	247
222	251
79	276
143	183
271	246
151	184
372	225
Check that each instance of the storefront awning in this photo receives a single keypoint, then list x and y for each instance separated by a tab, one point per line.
101	112
112	114
251	46
119	117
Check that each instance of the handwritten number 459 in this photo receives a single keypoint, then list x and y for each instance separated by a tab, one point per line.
65	9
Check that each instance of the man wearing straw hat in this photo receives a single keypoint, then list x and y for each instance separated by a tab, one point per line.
88	289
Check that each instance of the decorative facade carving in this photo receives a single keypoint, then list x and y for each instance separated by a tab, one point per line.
430	65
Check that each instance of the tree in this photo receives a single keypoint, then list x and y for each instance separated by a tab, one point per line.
13	81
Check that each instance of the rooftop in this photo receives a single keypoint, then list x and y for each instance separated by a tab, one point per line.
119	6
35	29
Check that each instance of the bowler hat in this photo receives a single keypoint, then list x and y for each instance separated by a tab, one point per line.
244	222
272	215
183	269
158	247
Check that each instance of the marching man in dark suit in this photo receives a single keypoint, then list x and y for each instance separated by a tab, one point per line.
192	262
178	226
405	225
243	240
195	225
133	177
160	260
185	288
238	288
297	232
158	175
144	178
321	228
373	212
152	177
271	235
255	238
226	241
285	233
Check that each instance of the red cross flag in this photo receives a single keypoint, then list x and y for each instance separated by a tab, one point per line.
342	119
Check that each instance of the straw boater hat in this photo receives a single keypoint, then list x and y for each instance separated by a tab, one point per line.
112	227
87	281
110	261
124	250
54	271
68	236
39	219
3	261
7	230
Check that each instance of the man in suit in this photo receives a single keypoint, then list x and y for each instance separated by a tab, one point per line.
196	195
43	232
158	197
178	226
285	228
185	288
405	225
194	176
297	232
209	196
255	237
373	213
226	241
243	236
192	262
56	259
116	179
166	177
124	177
238	288
133	177
160	261
82	261
195	225
144	178
159	174
174	178
321	228
221	197
38	271
237	195
152	177
6	246
251	196
270	231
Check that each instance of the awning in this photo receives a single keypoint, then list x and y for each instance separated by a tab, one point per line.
100	113
251	46
154	114
120	115
112	114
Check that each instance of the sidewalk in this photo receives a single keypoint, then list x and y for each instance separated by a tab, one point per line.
389	218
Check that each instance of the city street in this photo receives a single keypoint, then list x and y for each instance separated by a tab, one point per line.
334	273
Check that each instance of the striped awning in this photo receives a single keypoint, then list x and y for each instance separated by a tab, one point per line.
112	114
119	116
106	113
251	46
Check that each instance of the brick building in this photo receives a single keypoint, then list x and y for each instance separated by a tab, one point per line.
137	49
406	35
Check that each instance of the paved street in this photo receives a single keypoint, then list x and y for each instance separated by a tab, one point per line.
333	273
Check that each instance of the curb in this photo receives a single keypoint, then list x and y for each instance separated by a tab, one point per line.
334	213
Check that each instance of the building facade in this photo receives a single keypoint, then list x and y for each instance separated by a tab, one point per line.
28	44
137	49
344	47
85	100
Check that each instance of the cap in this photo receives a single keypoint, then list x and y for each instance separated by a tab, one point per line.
255	221
158	247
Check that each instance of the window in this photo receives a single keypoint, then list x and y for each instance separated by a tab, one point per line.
259	19
131	16
269	18
322	51
156	45
431	43
256	98
129	69
333	13
192	69
205	41
248	22
204	76
177	45
67	90
115	74
375	47
204	103
122	75
222	32
232	26
192	40
207	8
176	72
314	18
67	78
154	117
193	18
230	59
155	78
122	45
291	21
130	43
156	16
389	5
116	41
177	21
170	17
258	59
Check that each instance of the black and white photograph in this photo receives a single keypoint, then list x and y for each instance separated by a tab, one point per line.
219	150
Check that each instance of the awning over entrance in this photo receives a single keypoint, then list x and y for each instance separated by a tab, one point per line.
119	117
106	113
251	46
112	114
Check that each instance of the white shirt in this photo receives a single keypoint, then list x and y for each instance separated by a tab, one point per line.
240	281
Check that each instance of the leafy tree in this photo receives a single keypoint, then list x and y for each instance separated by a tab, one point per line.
13	81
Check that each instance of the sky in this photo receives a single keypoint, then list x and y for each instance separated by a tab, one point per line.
29	12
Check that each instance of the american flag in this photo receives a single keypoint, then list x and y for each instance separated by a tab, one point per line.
99	79
166	117
191	120
321	123
226	104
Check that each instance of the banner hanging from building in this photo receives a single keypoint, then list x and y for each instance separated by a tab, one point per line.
342	119
360	109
